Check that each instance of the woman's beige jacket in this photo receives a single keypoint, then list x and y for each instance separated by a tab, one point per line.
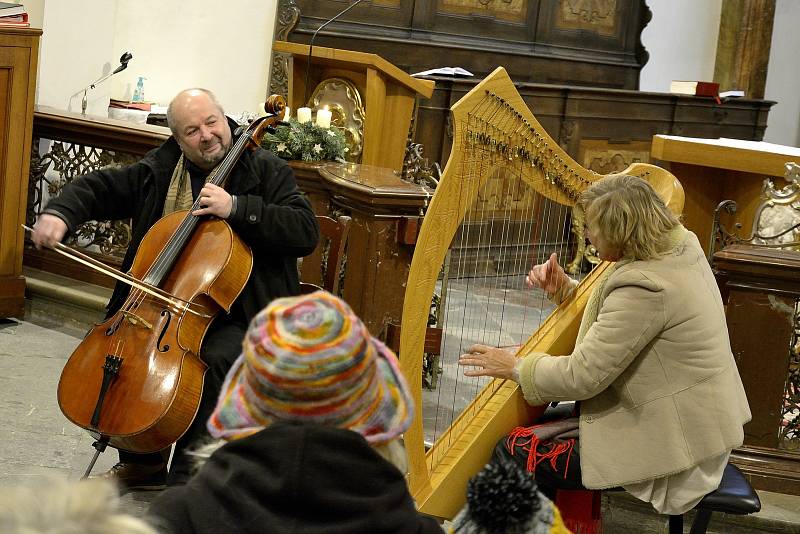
655	372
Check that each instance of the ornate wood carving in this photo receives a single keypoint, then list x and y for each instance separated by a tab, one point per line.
598	16
604	157
510	10
65	146
577	42
287	18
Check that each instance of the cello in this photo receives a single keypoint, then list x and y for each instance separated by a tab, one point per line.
136	379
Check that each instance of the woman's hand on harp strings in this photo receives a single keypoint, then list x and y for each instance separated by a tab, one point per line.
550	276
48	231
489	361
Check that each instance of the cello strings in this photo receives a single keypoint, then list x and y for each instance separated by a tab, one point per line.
173	247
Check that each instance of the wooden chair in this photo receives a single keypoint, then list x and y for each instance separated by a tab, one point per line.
320	270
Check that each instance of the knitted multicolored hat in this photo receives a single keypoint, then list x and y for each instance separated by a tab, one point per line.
309	358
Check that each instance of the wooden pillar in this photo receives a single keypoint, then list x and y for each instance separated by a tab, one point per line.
745	35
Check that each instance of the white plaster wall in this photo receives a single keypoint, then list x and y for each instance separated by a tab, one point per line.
224	47
76	49
177	44
783	76
35	9
682	41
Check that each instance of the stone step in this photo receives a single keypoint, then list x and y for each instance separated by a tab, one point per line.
63	303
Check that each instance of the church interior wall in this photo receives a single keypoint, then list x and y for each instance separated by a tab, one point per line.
176	44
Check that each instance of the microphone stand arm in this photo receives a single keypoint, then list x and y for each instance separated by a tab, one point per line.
311	44
91	86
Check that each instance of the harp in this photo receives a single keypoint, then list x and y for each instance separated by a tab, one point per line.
506	196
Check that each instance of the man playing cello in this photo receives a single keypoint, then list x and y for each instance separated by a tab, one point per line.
261	203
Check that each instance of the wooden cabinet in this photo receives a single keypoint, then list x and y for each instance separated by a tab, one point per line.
761	289
19	54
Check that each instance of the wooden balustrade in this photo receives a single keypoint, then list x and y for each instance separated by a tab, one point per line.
385	210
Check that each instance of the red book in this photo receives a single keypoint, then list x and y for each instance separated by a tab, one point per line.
695	88
15	21
22	17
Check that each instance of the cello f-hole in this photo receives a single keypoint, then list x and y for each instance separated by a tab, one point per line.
168	315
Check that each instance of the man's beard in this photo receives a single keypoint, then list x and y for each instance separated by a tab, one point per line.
214	159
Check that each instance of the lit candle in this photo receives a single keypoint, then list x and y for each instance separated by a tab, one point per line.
324	118
303	115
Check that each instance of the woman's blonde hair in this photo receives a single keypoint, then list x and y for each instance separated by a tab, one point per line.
629	215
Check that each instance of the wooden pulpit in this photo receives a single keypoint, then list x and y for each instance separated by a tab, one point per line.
371	99
19	53
713	170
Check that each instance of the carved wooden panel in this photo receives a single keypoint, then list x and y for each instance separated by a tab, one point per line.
588	122
761	288
580	42
506	10
604	158
598	16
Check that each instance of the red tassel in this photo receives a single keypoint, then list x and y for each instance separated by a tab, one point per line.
529	442
580	509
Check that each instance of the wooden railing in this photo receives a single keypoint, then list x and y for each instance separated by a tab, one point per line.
385	210
67	145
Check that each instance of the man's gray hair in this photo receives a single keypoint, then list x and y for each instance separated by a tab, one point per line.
56	505
170	113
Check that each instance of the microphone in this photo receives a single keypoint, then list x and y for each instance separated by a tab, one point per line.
123	60
311	43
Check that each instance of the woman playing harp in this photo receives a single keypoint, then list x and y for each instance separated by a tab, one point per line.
661	401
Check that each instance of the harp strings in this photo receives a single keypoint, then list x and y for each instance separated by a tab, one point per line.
506	221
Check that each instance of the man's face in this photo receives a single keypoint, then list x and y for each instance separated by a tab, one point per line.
202	131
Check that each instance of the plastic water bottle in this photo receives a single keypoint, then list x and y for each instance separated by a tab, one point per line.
138	94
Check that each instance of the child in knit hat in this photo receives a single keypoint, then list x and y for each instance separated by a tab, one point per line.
504	498
310	417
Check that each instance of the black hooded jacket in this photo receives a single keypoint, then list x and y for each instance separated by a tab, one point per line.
272	216
292	478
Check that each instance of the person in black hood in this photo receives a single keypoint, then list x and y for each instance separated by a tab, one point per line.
310	418
261	203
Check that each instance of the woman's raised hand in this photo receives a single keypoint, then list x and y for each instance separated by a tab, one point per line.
549	275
